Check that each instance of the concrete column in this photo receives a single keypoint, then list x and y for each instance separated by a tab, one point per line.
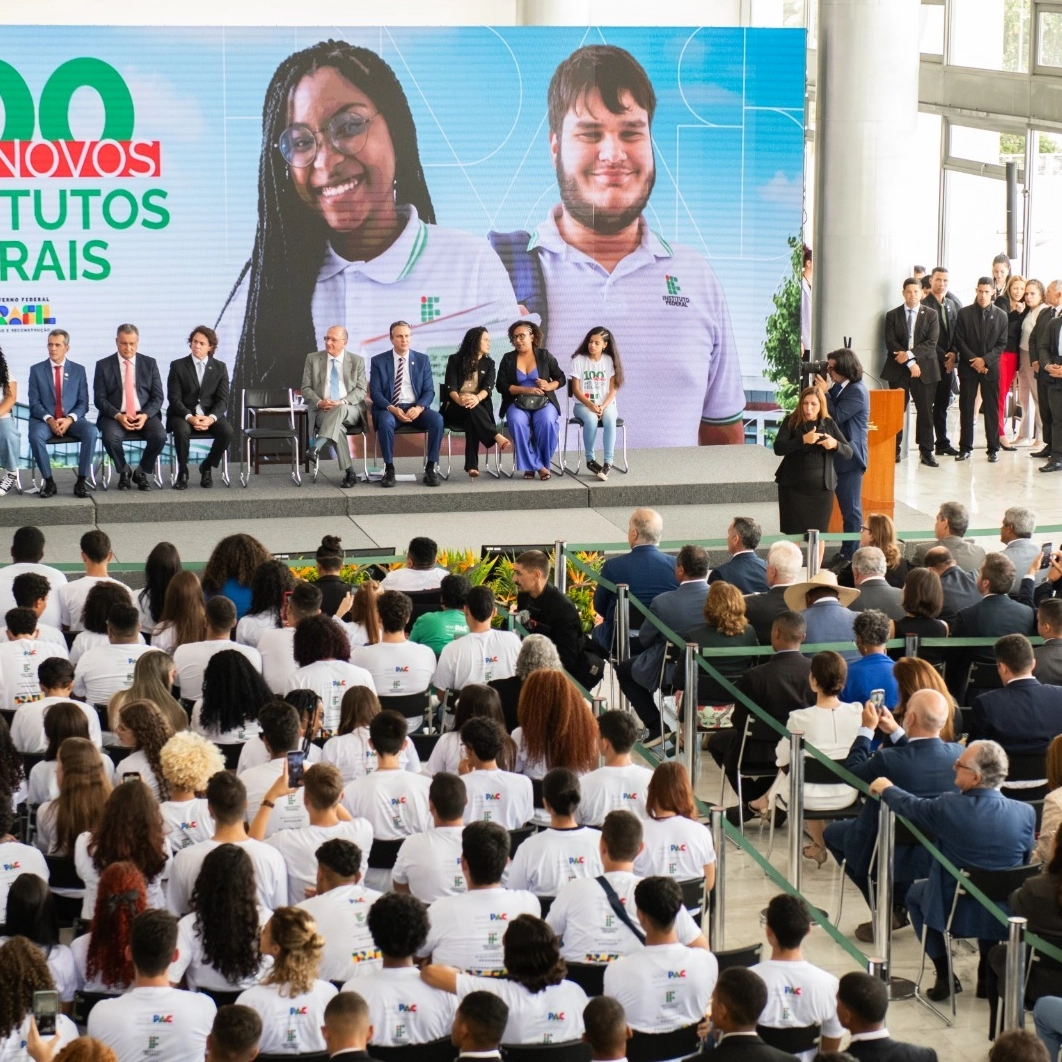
866	169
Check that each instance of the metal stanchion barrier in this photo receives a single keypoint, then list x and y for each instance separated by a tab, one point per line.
1014	981
813	552
911	642
622	629
796	808
876	967
718	900
560	566
899	987
599	706
689	712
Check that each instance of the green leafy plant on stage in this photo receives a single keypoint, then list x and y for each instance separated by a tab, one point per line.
781	345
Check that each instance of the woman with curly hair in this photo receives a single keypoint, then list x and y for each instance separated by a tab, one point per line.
271	583
12	774
23	971
724	627
101	955
311	711
98	604
233	694
162	564
142	728
230	568
473	701
537	653
557	728
182	618
153	678
363	621
322	652
677	844
541	1000
188	763
291	999
217	944
31	913
130	828
350	750
83	786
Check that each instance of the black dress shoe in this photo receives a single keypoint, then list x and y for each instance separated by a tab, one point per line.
312	453
940	992
125	478
1043	452
1009	449
81	489
431	477
1052	466
964	456
993	456
947	451
140	478
350	478
182	480
48	488
930	460
206	476
388	476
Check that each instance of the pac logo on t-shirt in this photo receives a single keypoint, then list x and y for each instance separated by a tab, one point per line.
296	1010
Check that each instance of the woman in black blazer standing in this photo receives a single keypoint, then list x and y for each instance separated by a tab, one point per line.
467	404
808	442
528	378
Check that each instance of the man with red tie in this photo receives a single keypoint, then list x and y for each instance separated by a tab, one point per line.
128	393
58	401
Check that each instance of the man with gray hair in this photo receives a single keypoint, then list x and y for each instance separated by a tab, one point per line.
868	574
646	570
334	388
975	827
784	563
951	523
1015	532
744	569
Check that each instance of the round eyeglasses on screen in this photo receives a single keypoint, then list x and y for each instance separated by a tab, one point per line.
346	133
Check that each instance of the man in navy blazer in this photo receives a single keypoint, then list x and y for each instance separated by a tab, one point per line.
646	570
58	401
862	1003
917	761
130	413
407	404
744	570
976	827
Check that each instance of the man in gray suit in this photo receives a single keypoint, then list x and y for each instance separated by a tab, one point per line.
334	385
1016	533
868	573
953	519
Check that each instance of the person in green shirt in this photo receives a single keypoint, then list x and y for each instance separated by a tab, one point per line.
438	629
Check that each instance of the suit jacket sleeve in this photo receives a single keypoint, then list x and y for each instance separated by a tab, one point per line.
379	391
506	379
647	633
862	761
175	390
925	348
99	391
310	396
424	383
79	383
153	408
603	598
452	380
895	334
962	342
1046	341
844	447
998	339
218	406
356	395
786	441
978	727
37	408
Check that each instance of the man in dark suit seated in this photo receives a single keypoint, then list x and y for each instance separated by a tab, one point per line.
868	574
738	1000
1049	655
862	1002
917	761
976	827
784	561
646	570
198	389
958	586
127	390
744	569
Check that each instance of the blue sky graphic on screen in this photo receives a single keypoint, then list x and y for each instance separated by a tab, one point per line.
413	173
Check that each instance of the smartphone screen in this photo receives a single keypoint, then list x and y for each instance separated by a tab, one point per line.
295	762
877	698
1047	548
45	1009
130	776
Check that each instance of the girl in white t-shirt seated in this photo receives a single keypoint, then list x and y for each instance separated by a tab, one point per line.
557	728
544	1008
233	694
31	914
291	999
472	702
271	582
596	375
188	762
142	728
102	955
12	774
350	750
183	616
23	972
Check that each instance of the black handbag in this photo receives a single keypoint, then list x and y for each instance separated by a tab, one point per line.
531	402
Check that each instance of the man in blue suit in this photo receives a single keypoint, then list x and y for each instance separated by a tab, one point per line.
744	570
127	390
58	401
402	391
976	827
646	571
917	761
826	611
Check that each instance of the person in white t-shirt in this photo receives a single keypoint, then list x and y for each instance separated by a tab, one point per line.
33	591
55	675
27	551
87	779
467	928
481	656
472	701
291	999
665	986
494	795
99	601
188	763
95	555
341	908
549	859
429	863
277	646
620	783
23	972
105	669
142	728
154	1020
271	582
544	1007
233	693
596	924
798	993
227	806
596	374
191	659
311	712
281	734
322	790
420	571
351	750
16	858
398	666
322	651
402	1008
20	656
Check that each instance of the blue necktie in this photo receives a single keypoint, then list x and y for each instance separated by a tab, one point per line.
333	382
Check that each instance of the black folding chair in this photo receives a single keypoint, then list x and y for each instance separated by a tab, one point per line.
659	1047
569	1051
435	1051
416	707
795	1040
572	421
517	838
590	977
449	433
383	853
747	956
62	874
276	401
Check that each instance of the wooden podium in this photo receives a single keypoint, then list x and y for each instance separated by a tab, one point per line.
879	481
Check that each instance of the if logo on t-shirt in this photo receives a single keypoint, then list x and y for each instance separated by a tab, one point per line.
364	955
339	684
490	660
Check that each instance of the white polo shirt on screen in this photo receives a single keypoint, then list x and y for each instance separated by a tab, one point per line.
16	859
191	660
299	849
13	1046
552	1016
19	661
549	859
664	987
290	1024
52	614
72	599
467	928
799	993
154	1025
277	648
187	822
270	874
588	928
394	802
289	811
27	728
341	915
612	789
430	864
479	657
355	757
106	669
191	960
675	847
330	680
402	1008
397	668
498	796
